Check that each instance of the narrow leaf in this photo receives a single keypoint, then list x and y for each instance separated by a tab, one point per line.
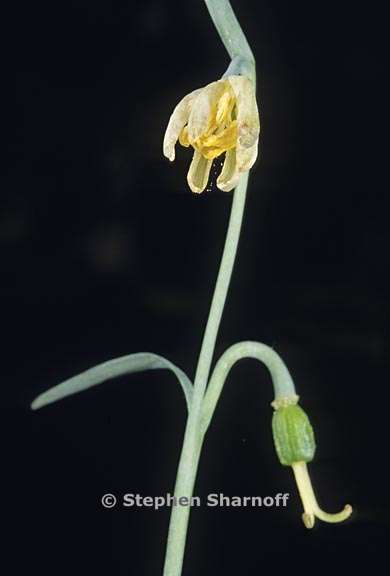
112	369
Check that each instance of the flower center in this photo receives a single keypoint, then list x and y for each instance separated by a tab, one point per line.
221	132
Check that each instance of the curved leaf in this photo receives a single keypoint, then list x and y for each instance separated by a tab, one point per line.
107	371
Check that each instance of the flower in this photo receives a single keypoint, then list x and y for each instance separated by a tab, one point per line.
295	446
220	118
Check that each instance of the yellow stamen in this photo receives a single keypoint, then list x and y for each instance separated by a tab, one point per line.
211	146
221	132
226	138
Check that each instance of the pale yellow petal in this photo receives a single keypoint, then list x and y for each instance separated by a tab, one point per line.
248	123
246	157
229	176
247	111
177	121
203	113
198	174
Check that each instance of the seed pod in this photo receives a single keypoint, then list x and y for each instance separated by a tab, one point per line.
293	435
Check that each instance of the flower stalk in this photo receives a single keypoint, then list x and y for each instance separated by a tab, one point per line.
230	31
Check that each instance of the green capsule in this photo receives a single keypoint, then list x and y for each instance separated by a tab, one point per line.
293	435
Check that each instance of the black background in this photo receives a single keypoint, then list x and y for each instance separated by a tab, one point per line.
107	252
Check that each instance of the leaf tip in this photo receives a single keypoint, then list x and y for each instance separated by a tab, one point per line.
38	402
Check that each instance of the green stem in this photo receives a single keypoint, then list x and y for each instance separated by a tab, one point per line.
237	46
281	380
193	438
185	481
221	289
229	29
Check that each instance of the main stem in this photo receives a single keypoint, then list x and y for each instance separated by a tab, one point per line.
221	289
193	438
237	46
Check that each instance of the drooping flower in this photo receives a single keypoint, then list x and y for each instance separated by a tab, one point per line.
295	446
220	118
